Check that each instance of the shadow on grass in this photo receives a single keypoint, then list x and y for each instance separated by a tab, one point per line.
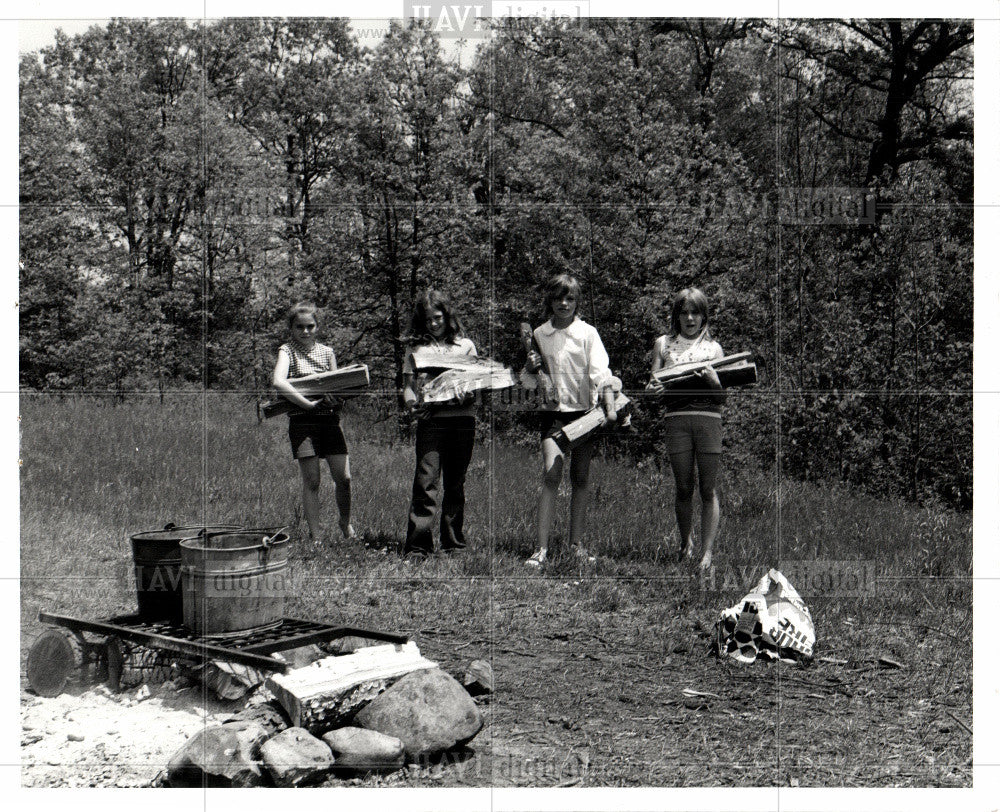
382	542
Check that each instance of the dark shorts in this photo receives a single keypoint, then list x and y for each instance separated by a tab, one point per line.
316	436
552	424
694	432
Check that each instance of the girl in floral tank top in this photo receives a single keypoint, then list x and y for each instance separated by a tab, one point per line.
694	417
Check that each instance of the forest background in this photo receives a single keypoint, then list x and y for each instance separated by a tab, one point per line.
181	183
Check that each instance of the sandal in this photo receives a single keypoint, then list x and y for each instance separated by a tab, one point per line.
537	559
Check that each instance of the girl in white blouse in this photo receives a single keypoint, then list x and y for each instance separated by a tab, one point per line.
573	354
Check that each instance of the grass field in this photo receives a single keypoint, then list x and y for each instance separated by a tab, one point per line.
590	664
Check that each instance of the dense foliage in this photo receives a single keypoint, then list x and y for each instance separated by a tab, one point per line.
182	184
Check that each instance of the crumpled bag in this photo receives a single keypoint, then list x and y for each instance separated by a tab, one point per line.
771	621
456	385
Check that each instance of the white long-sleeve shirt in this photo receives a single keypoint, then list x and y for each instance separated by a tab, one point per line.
576	361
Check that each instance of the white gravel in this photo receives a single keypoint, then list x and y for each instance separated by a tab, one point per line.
97	738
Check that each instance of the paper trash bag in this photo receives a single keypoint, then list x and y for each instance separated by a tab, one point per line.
770	621
455	385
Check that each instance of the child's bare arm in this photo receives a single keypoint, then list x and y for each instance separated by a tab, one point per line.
708	374
608	398
279	380
410	396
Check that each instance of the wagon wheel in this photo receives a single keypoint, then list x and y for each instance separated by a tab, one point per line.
53	662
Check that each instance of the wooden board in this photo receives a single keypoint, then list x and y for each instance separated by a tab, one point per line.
354	376
328	690
741	373
581	428
738	375
687	370
344	382
425	359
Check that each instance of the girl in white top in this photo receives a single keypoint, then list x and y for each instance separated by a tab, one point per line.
693	418
573	354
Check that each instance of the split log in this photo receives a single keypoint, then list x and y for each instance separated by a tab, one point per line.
583	427
230	680
536	373
268	714
325	693
54	662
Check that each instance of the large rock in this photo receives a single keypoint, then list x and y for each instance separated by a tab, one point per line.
269	715
358	749
328	692
295	757
427	710
219	756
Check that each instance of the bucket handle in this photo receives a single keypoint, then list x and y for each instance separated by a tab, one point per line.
266	541
171	526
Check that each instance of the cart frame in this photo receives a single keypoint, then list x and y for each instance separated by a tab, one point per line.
251	648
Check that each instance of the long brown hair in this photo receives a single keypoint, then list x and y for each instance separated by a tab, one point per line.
432	299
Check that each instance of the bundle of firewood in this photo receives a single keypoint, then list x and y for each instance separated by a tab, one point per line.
733	370
345	382
457	376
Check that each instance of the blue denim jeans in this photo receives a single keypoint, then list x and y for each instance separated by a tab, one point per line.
444	450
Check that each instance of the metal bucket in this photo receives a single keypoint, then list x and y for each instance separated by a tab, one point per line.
234	582
157	558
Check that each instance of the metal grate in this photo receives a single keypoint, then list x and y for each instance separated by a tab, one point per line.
249	648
